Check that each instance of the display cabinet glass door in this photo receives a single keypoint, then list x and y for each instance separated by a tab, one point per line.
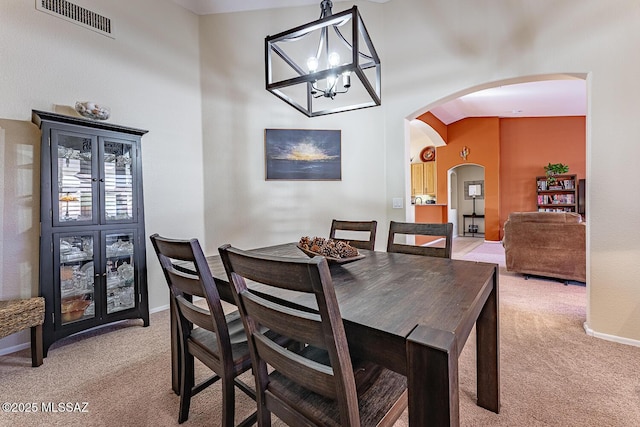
76	277
118	181
74	181
93	179
120	271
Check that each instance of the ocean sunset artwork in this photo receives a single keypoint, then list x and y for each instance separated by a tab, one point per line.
299	154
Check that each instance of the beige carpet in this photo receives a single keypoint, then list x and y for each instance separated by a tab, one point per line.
492	252
552	374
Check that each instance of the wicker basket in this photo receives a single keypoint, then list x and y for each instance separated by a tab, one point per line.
19	314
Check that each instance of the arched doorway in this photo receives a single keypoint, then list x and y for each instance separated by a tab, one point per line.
466	205
486	150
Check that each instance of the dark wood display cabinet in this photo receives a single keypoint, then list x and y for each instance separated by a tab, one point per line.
92	240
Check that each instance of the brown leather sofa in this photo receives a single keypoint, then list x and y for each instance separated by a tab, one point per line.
550	244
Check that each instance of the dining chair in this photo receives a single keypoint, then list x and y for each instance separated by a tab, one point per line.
216	339
355	226
436	248
321	384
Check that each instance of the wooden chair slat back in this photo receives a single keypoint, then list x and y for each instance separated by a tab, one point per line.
186	283
421	229
299	325
174	249
294	275
313	376
368	226
194	314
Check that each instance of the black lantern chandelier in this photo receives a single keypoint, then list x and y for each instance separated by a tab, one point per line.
340	71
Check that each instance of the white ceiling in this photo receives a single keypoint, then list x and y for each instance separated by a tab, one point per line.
207	7
566	97
533	99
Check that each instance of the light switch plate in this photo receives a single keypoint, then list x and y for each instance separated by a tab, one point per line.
397	203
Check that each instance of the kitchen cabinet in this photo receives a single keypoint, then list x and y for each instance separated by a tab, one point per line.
417	179
92	239
430	178
423	179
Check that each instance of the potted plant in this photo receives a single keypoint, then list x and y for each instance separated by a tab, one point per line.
553	169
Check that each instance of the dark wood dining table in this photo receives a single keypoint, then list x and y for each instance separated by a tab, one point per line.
413	315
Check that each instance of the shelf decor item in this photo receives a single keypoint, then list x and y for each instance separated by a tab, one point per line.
335	251
91	110
428	154
464	153
553	169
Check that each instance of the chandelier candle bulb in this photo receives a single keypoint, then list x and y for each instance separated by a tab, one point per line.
312	64
346	80
334	59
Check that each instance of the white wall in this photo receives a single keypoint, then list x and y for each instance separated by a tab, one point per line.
429	51
149	75
241	207
457	44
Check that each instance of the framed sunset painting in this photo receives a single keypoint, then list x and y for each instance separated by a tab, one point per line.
302	154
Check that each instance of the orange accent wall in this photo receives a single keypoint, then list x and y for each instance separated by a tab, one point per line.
435	214
513	152
482	137
436	124
527	145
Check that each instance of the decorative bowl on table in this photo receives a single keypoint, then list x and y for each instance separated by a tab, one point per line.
335	251
92	110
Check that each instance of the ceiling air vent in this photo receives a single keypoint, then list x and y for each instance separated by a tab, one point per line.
76	14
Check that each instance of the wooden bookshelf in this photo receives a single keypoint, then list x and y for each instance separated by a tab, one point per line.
558	196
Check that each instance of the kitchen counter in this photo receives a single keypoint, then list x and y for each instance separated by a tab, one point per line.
434	213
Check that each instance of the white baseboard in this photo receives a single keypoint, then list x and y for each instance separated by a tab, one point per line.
13	349
157	309
608	337
27	344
